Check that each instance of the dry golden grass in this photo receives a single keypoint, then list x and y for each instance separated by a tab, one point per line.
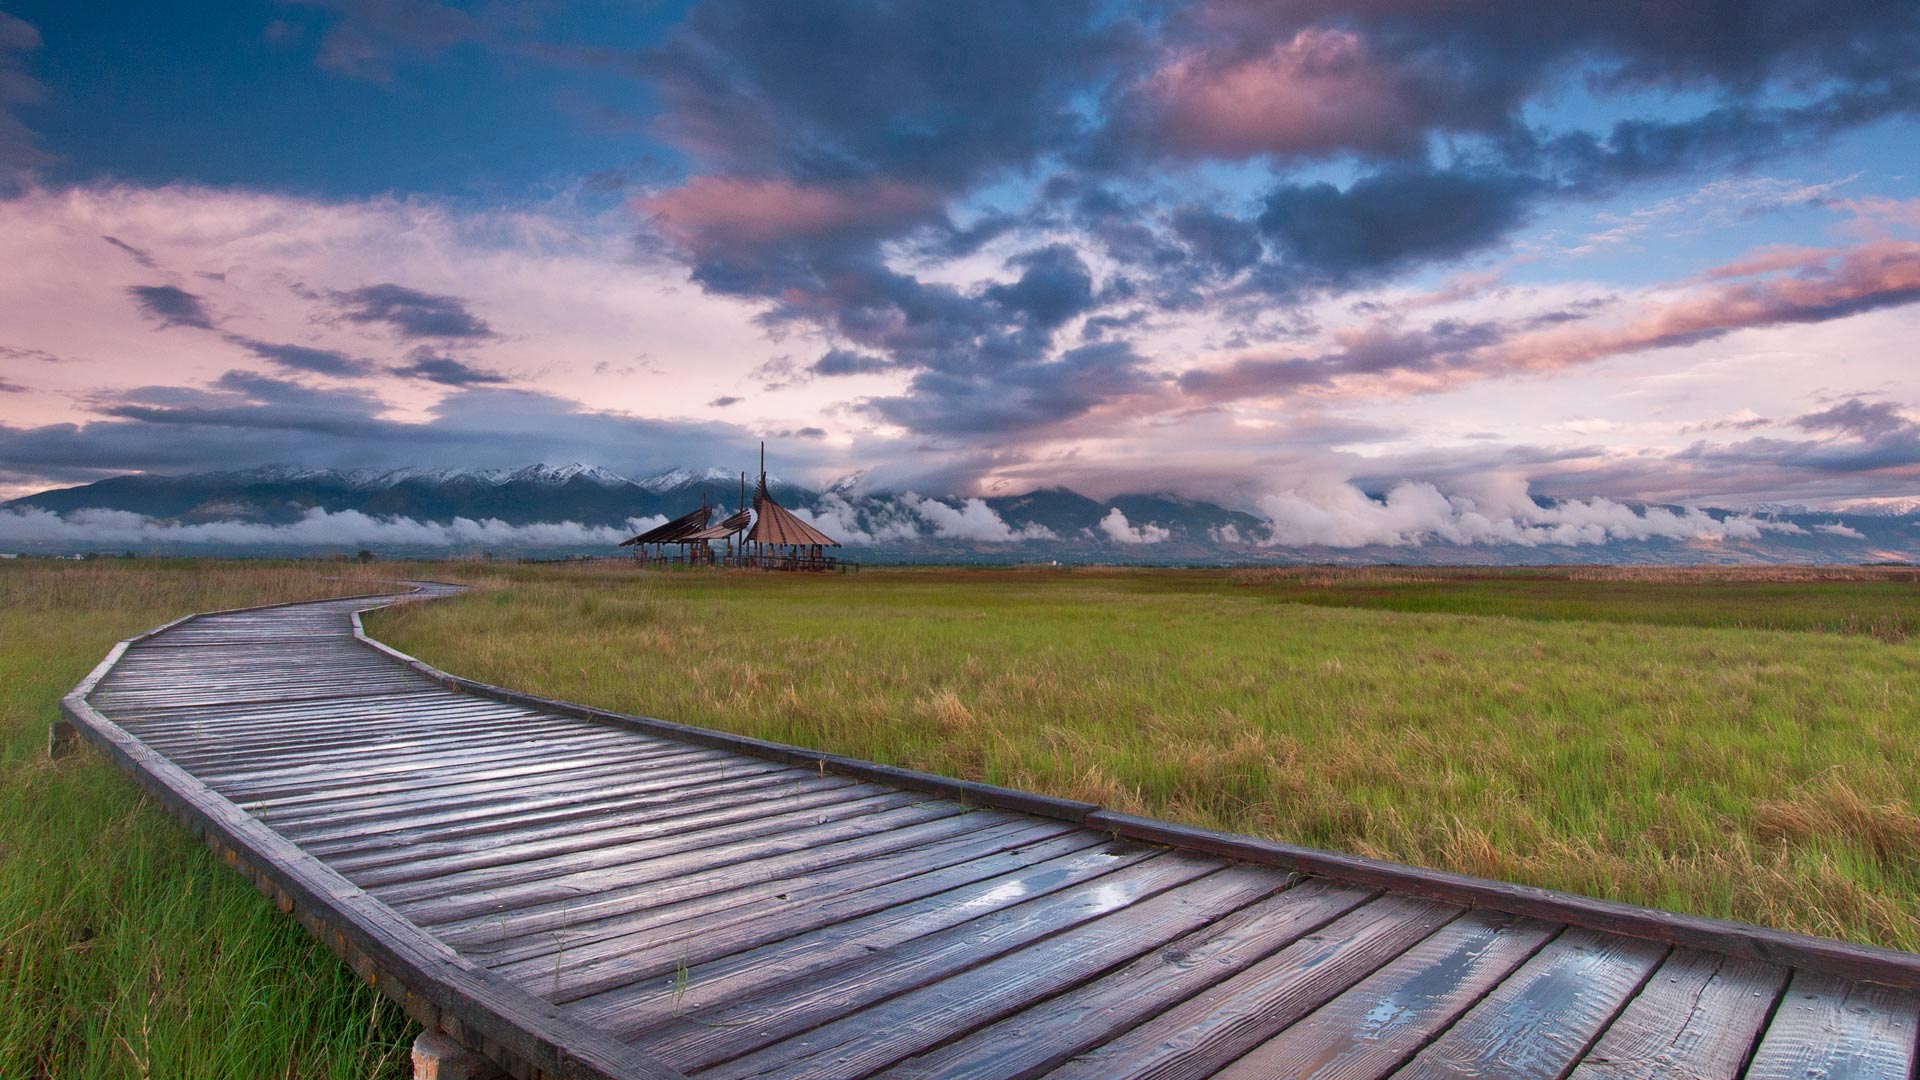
1765	775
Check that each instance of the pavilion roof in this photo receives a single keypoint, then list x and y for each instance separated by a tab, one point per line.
775	524
678	531
736	522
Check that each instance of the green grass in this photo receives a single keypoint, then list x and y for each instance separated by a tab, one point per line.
1642	738
1640	741
126	948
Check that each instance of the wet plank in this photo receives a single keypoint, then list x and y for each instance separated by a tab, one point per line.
1371	1029
920	1018
1045	1035
1698	1017
1202	1034
1831	1028
1540	1021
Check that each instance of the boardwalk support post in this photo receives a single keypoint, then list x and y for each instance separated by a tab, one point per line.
62	739
436	1057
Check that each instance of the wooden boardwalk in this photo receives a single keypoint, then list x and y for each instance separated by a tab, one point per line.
581	894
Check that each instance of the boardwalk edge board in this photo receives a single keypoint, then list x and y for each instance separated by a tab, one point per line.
1864	962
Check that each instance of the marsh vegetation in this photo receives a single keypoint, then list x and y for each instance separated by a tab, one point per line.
1736	744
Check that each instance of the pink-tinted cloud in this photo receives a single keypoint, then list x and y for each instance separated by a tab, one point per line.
1822	286
726	213
1383	359
1318	92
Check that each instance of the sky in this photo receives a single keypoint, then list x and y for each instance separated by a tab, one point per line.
1282	255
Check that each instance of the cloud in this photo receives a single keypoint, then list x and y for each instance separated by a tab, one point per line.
1318	92
972	519
735	217
446	371
19	149
724	401
849	362
923	93
305	358
32	526
411	313
1388	221
1836	528
13	352
1328	512
171	306
134	253
1809	286
1118	529
7	387
369	37
1022	398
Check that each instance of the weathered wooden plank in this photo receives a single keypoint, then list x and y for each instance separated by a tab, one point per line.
610	820
565	889
935	866
1538	1023
1043	1036
392	837
1198	1036
509	926
1698	1017
708	842
1831	1028
917	1016
689	826
375	801
822	922
253	780
1369	1030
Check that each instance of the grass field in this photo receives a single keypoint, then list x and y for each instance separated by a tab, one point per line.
126	948
1737	744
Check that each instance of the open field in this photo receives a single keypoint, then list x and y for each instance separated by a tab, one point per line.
1632	734
1640	739
126	948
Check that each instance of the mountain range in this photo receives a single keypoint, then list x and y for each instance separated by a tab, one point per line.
582	509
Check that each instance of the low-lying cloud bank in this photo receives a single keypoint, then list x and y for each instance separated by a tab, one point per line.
1340	515
31	526
909	517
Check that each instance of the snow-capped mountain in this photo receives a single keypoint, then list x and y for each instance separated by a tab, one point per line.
1046	523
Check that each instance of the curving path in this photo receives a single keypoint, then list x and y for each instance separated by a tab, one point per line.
576	893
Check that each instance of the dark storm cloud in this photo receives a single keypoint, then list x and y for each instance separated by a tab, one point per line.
1214	238
1022	398
1054	286
446	371
930	92
849	362
305	358
171	306
1389	221
410	313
